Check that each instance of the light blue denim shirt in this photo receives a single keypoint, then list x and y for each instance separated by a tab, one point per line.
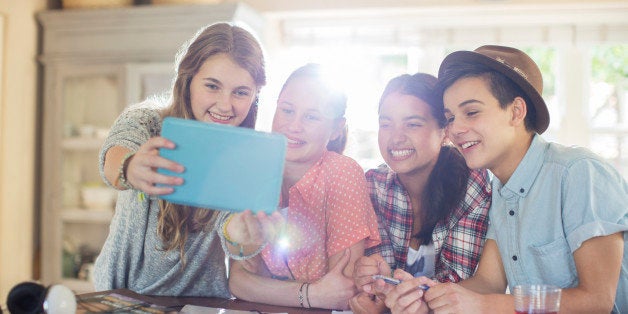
557	198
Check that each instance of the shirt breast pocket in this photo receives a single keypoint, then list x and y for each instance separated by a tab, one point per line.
555	264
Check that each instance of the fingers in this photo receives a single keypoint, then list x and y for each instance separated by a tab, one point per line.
402	275
253	227
381	287
383	266
142	168
427	281
405	298
407	304
362	303
271	225
149	153
244	228
365	268
154	143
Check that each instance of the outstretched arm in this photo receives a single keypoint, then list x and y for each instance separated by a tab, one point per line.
250	280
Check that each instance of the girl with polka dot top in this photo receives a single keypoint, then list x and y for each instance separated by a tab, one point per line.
329	217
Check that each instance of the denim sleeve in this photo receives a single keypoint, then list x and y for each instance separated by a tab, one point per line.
595	199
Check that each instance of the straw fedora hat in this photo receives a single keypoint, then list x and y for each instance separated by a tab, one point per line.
514	64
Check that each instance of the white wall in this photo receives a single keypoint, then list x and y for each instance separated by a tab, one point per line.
18	104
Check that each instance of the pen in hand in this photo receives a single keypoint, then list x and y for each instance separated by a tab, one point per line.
395	282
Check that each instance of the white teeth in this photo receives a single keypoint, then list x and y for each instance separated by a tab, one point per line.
468	144
218	116
291	141
401	153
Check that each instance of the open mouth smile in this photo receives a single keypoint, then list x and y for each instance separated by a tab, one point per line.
399	154
466	145
219	117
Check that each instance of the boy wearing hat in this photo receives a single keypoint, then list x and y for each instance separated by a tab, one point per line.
559	215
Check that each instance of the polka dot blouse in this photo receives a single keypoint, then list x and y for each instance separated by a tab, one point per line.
329	210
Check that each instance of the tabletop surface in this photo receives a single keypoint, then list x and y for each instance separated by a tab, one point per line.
175	304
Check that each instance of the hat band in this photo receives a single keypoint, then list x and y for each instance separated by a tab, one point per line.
514	68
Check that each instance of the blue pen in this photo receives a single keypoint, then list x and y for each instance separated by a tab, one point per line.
395	282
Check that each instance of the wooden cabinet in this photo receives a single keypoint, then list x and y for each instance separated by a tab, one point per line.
95	63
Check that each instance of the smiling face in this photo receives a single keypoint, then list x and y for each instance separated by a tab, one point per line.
409	136
307	120
222	91
488	136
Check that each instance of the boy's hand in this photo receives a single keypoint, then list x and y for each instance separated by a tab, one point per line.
452	298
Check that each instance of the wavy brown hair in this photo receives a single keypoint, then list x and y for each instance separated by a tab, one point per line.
176	222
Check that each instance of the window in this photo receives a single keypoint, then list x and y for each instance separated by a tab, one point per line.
608	104
584	62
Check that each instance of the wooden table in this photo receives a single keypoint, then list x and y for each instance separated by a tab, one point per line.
176	303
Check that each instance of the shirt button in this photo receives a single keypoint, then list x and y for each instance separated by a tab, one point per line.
522	190
512	213
514	258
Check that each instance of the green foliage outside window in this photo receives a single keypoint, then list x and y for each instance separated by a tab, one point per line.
610	63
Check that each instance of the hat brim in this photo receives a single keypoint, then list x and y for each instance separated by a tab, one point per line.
542	114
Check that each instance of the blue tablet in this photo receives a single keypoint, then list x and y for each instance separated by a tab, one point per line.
226	167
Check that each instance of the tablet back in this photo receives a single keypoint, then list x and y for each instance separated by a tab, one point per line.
226	167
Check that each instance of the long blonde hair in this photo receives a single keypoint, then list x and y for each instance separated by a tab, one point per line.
176	222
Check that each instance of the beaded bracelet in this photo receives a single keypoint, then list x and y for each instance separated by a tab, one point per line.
122	180
224	230
224	241
227	238
300	294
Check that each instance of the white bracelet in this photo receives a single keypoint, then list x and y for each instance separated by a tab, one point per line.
239	257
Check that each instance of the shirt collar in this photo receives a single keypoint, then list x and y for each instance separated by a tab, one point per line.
528	169
308	178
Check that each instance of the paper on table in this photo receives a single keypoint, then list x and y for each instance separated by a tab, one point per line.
194	309
108	302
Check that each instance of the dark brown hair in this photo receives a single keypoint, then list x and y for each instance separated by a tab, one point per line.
503	89
447	183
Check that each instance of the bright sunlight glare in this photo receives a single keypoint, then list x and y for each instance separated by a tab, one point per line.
360	72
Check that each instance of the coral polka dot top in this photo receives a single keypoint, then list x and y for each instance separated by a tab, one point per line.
329	210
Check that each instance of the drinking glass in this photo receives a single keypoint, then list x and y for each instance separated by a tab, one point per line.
537	299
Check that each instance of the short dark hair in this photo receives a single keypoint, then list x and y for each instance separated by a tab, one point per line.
501	87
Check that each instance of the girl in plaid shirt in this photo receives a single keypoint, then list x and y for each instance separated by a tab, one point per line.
432	209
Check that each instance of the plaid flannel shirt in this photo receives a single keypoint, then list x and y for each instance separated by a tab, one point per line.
458	240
